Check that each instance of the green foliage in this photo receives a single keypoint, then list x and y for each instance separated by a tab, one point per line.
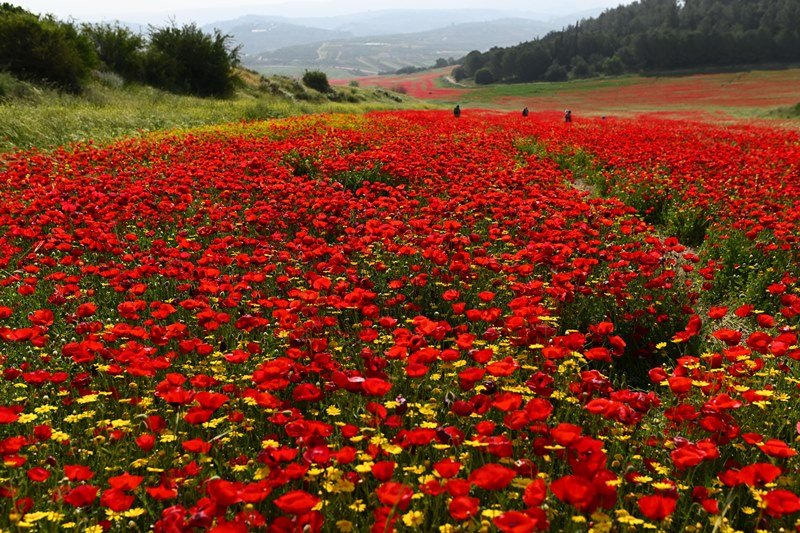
188	61
613	66
484	76
120	49
653	35
13	89
352	180
317	80
459	73
555	72
44	49
34	117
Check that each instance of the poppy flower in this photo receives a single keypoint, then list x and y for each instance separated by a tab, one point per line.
38	474
657	506
78	472
296	502
515	522
447	468
492	476
81	496
116	500
576	491
781	502
376	387
777	448
394	494
463	507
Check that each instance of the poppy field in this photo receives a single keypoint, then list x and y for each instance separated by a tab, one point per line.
403	321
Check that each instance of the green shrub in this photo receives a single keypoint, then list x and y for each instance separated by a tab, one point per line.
317	80
44	49
120	49
484	76
185	60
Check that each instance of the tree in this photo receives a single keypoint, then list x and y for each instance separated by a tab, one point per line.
613	66
532	63
459	73
484	76
317	80
44	49
120	49
555	72
580	68
441	62
186	60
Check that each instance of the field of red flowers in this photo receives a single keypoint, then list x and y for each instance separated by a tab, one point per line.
403	321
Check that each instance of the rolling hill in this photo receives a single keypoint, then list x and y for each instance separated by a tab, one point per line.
380	53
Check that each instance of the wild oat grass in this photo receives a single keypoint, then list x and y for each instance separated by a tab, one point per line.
33	117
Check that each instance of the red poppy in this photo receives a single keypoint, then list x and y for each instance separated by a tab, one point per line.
81	496
777	448
515	522
37	474
781	502
657	506
447	468
125	481
116	500
78	472
196	446
9	414
296	502
394	494
576	491
535	493
492	476
383	470
463	507
376	386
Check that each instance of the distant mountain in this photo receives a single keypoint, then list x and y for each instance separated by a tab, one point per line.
381	53
259	34
399	21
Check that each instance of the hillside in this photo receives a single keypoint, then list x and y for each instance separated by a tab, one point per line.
389	52
259	34
37	116
652	35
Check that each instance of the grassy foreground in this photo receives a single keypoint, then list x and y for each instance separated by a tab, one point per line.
35	117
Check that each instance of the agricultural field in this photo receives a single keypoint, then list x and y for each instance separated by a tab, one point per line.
404	321
725	96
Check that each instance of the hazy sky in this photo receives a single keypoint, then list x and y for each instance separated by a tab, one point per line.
203	11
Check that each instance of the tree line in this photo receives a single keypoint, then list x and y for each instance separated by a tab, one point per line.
178	59
649	35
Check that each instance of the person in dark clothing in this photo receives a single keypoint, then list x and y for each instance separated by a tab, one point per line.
525	112
457	111
567	116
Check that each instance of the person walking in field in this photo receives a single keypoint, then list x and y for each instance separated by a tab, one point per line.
567	116
525	112
457	111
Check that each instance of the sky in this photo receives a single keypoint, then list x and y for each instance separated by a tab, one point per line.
205	11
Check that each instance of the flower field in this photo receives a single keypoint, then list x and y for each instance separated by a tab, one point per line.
404	321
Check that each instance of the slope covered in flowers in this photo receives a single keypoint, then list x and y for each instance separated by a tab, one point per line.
403	320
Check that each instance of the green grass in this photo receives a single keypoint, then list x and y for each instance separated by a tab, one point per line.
33	117
491	93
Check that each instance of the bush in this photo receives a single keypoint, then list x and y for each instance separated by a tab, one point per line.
613	66
555	72
484	76
317	80
44	49
120	50
459	73
186	60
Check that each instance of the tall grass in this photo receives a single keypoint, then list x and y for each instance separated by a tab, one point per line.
43	118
